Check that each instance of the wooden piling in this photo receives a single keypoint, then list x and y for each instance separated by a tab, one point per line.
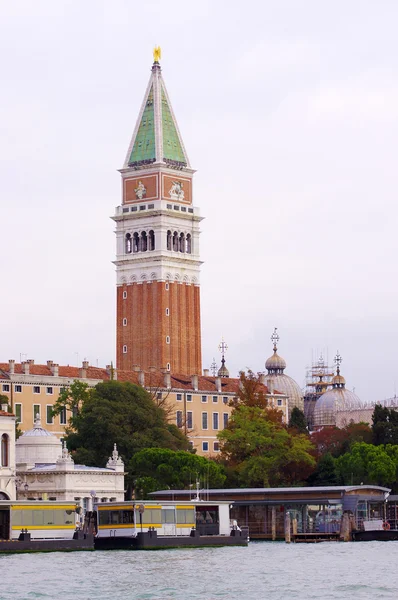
273	523
287	528
294	526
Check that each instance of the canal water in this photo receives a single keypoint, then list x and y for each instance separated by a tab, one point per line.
264	570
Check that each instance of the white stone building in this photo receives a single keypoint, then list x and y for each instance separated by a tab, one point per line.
7	454
46	471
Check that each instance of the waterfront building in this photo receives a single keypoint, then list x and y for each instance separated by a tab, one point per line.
157	245
339	398
316	509
7	457
46	471
198	404
276	366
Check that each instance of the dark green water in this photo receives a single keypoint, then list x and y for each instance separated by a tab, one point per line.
264	570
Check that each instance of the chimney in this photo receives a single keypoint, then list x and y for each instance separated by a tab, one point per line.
167	380
55	369
270	385
50	363
83	370
195	384
152	369
30	361
218	384
25	368
141	378
262	378
11	366
206	372
136	368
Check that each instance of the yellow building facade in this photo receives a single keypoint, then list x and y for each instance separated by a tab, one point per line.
200	405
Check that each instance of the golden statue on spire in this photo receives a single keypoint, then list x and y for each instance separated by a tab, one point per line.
157	54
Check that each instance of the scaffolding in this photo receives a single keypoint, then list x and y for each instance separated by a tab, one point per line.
318	380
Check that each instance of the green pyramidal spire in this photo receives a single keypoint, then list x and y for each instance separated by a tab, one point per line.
156	137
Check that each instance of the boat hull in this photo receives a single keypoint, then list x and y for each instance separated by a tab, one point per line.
151	541
375	535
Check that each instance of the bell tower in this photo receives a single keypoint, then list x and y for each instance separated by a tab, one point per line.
157	244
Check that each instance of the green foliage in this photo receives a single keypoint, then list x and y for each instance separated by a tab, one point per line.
297	420
157	468
72	398
325	472
261	450
123	413
384	425
366	463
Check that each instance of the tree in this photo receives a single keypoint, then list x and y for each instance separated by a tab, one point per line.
338	441
262	451
297	420
384	425
121	413
325	472
72	398
158	468
366	463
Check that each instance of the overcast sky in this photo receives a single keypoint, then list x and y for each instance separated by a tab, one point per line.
289	112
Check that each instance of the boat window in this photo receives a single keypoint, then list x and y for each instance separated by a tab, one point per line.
186	515
150	516
168	516
207	514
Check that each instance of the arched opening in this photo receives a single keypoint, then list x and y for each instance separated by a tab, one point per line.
189	243
151	240
128	243
175	241
181	243
144	241
169	240
5	449
136	240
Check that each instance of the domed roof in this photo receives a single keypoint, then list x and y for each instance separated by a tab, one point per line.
338	380
275	362
275	366
332	401
286	385
37	446
37	431
223	371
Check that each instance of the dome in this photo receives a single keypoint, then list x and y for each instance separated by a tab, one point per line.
223	371
286	385
275	366
338	380
275	362
332	401
37	446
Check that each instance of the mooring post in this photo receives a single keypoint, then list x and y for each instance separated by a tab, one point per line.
273	523
287	528
294	527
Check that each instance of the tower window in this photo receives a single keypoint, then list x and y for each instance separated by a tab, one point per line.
168	366
124	322
128	244
151	240
136	242
167	339
124	349
181	243
175	241
124	295
167	312
167	287
144	242
169	240
189	243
